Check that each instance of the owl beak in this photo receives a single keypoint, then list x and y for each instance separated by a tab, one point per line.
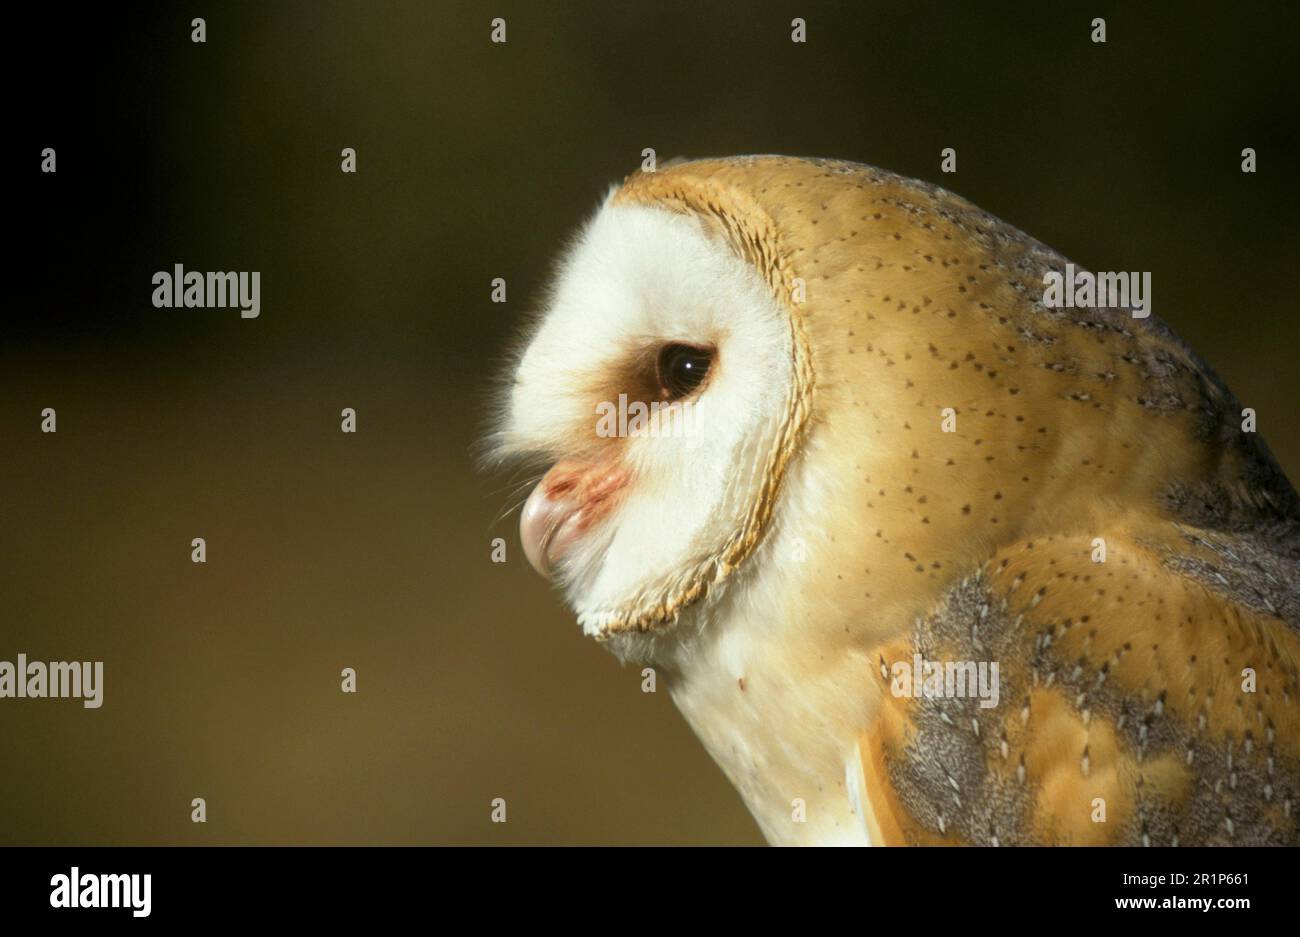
570	498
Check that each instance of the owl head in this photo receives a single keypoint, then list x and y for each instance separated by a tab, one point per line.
762	378
666	386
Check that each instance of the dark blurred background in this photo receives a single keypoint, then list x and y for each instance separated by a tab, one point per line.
476	161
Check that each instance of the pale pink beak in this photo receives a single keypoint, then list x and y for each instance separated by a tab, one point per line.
569	499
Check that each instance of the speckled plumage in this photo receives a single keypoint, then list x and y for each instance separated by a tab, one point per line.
1121	680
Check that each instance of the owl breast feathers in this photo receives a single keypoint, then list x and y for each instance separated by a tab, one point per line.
947	563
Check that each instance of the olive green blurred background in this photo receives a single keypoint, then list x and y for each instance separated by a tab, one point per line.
476	161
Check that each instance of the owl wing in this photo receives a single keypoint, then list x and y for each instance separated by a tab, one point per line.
1145	692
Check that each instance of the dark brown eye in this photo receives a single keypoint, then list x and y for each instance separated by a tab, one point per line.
682	369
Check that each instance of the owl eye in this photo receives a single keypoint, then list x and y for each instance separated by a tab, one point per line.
681	369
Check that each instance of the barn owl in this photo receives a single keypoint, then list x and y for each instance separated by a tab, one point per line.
921	557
